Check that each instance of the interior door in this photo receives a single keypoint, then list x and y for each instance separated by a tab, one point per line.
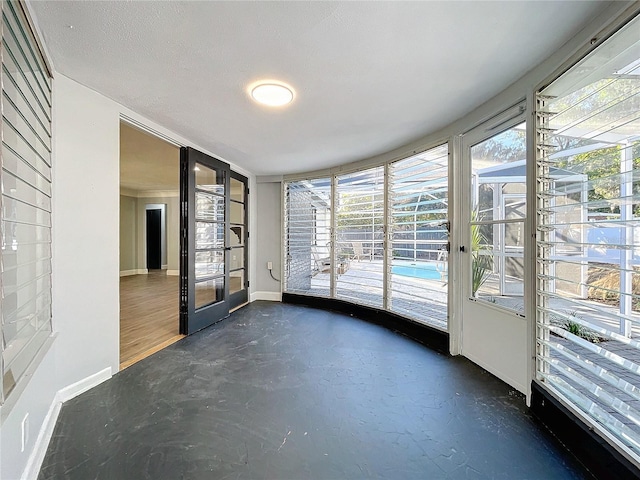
204	242
493	322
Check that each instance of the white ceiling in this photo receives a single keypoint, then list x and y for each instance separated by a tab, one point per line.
369	76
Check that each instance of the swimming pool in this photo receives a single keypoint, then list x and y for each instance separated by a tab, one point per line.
426	271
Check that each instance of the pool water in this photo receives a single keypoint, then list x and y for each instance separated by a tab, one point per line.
427	271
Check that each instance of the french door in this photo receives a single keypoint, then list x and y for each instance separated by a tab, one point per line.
238	240
491	248
204	240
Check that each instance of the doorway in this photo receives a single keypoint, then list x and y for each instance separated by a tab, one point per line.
156	236
492	245
154	251
149	244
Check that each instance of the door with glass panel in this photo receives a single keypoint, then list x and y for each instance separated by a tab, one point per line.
238	240
204	240
492	245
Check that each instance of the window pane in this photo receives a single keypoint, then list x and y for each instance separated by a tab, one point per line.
236	281
209	180
209	263
237	190
209	235
209	207
498	211
588	322
209	291
419	190
307	236
360	236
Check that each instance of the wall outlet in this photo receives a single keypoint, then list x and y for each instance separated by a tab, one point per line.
269	265
25	432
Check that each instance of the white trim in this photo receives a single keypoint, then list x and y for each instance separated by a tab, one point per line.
71	391
139	271
269	296
36	457
158	194
173	273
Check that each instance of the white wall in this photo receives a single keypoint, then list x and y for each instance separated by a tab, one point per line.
86	265
85	260
268	239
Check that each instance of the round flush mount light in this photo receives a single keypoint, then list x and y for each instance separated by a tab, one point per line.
270	93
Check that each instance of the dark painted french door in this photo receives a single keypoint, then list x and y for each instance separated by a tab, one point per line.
204	240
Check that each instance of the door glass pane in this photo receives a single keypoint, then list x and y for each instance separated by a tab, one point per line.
209	263
236	281
209	180
236	235
498	211
237	212
419	203
237	258
209	291
237	190
360	237
209	235
209	207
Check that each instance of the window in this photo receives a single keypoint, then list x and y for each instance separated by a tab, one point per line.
588	321
419	225
359	239
308	235
376	237
498	214
25	216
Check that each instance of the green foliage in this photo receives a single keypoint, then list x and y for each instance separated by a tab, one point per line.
481	265
581	331
602	167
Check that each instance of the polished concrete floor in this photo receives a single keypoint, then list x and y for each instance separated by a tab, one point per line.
288	392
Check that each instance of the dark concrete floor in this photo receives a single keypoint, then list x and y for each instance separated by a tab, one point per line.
287	392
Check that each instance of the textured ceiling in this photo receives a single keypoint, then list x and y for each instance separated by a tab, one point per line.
369	76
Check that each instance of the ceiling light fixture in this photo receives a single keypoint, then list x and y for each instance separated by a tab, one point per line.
270	93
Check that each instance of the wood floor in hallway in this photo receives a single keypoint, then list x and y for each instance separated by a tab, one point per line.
148	315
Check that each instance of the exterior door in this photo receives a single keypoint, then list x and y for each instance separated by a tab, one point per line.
493	324
204	241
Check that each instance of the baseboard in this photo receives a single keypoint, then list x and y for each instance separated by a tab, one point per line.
34	462
139	271
269	296
173	273
164	267
420	332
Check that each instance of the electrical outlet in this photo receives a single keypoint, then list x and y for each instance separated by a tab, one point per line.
25	432
269	265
